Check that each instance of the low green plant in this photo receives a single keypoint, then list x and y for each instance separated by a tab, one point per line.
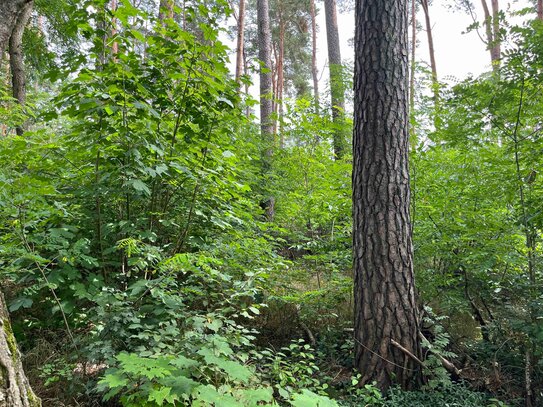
436	375
452	395
363	396
291	369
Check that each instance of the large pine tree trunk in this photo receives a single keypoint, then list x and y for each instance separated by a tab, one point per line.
386	313
14	388
412	133
336	81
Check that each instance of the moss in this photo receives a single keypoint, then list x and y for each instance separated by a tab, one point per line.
12	345
32	399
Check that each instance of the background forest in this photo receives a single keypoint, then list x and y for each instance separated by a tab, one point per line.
164	244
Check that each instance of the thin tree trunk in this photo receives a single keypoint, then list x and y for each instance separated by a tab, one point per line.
15	390
496	30
386	312
336	82
431	50
274	77
528	372
248	108
314	72
492	32
16	62
240	44
280	81
540	10
266	122
115	45
530	243
165	9
264	54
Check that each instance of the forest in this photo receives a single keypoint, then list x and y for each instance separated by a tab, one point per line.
195	211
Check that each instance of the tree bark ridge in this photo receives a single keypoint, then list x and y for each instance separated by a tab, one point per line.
384	290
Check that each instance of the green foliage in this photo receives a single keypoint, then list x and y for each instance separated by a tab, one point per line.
366	395
130	220
291	369
454	395
477	228
435	374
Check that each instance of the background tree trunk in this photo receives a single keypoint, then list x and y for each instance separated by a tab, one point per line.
115	45
336	81
9	12
386	312
264	54
492	27
431	50
14	388
314	71
540	10
280	66
266	96
166	9
16	62
240	44
496	46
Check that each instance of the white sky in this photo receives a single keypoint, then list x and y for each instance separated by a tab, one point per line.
458	53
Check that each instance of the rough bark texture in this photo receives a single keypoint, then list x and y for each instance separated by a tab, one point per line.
412	132
14	388
264	54
240	44
9	11
314	71
385	308
336	82
540	10
16	54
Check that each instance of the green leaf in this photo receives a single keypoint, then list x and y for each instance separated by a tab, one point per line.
20	302
309	399
159	395
114	380
183	363
140	186
254	397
